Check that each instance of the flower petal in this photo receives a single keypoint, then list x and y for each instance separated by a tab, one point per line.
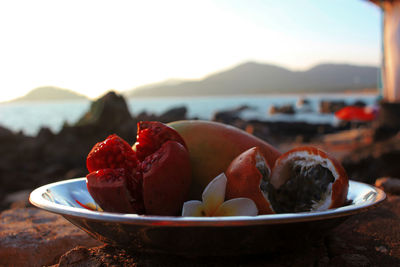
193	208
214	194
237	207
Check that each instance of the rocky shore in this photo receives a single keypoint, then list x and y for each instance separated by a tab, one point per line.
28	162
31	237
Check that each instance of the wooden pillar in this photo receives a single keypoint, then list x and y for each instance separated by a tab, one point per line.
388	122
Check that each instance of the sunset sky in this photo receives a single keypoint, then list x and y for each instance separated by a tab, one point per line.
93	46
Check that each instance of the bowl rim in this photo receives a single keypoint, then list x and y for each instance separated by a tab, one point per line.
371	199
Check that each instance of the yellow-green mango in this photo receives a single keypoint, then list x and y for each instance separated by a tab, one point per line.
212	146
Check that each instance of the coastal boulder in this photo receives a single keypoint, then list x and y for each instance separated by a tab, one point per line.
173	114
285	109
109	110
331	106
107	115
229	116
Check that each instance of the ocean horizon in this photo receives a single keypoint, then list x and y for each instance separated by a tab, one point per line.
30	117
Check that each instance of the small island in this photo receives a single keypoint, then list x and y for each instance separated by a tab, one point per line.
50	93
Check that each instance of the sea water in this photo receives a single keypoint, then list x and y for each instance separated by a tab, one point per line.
29	117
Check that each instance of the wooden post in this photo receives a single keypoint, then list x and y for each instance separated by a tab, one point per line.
388	123
391	49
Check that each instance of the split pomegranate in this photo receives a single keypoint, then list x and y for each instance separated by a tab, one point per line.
151	135
151	178
114	152
116	190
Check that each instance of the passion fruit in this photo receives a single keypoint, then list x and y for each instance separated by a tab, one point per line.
248	176
307	179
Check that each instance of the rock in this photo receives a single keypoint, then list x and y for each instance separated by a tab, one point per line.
110	256
389	185
359	103
45	134
145	116
352	260
331	106
173	114
381	249
19	199
107	115
5	133
32	237
303	102
285	109
109	110
304	105
378	159
7	136
389	115
98	256
75	173
277	132
371	238
388	121
229	116
75	257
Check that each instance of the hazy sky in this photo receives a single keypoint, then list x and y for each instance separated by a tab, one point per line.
94	46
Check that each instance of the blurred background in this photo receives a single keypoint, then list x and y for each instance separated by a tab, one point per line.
290	72
160	54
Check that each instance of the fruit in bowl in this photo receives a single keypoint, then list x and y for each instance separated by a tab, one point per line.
245	178
238	174
302	179
153	177
307	179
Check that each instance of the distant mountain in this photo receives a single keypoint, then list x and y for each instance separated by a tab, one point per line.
256	78
168	82
50	93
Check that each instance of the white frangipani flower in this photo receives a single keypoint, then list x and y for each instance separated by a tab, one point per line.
213	202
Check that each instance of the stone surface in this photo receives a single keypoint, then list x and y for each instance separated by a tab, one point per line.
367	239
32	237
98	256
389	185
229	116
174	114
284	109
19	199
375	160
278	132
331	106
109	256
